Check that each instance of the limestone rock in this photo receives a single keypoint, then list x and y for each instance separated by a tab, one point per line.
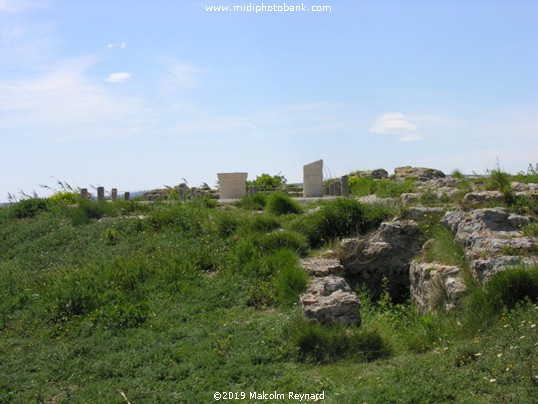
421	212
418	173
435	286
478	198
329	300
322	266
492	240
385	253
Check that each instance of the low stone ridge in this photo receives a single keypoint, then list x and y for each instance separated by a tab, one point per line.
435	286
317	266
492	240
385	253
418	173
329	300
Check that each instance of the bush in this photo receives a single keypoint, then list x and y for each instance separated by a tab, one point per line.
264	223
65	198
29	207
87	210
505	289
291	281
253	202
341	218
282	204
323	344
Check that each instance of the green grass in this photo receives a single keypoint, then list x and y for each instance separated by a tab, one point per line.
193	299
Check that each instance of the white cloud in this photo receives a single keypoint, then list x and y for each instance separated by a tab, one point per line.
16	6
121	45
393	123
396	123
118	77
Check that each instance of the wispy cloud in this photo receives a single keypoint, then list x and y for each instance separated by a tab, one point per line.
120	45
118	77
61	97
17	6
396	123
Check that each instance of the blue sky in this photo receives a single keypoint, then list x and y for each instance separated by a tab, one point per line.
139	94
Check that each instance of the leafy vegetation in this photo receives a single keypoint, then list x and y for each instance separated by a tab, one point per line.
282	204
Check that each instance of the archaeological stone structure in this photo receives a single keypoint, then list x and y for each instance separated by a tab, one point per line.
313	179
232	185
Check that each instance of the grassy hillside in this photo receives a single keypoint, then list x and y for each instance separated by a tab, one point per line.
172	302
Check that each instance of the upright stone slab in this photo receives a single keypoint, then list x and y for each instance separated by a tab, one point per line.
313	179
232	185
332	189
84	193
114	194
337	188
127	195
345	185
194	191
101	193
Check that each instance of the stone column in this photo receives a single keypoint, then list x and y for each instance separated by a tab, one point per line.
101	193
114	194
126	196
332	188
84	193
337	188
194	191
313	179
345	185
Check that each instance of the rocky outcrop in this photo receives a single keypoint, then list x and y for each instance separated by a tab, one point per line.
377	174
492	240
436	287
418	173
317	266
385	253
329	299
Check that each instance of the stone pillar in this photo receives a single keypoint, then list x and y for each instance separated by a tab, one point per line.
127	195
337	188
313	179
114	194
345	185
84	193
332	188
203	194
194	191
101	193
252	190
232	185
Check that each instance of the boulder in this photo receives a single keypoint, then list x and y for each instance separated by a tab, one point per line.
480	198
421	212
329	300
418	173
385	253
435	286
377	174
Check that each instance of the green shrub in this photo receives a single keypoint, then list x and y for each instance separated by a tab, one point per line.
341	218
264	223
29	207
227	224
324	344
87	210
253	202
500	181
282	204
291	281
505	289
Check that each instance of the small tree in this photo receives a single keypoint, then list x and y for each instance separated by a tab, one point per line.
266	182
